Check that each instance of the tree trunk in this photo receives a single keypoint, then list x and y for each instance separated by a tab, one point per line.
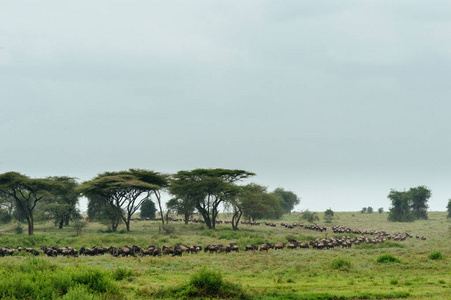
30	225
236	220
127	225
159	205
61	223
114	226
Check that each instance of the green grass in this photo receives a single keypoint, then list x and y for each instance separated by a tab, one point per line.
283	274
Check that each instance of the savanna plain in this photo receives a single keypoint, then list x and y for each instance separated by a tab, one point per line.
416	269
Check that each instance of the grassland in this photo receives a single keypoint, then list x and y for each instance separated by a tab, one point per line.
283	274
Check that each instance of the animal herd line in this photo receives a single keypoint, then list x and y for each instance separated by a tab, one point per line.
344	242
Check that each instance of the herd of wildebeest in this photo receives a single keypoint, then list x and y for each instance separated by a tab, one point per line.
344	241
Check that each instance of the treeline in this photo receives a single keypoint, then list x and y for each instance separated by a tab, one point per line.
113	197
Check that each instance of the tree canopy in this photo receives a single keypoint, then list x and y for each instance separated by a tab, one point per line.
289	199
27	192
410	205
207	189
124	190
148	209
257	203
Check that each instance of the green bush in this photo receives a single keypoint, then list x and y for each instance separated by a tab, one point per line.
79	292
122	273
207	280
387	258
204	284
435	255
340	264
309	216
18	229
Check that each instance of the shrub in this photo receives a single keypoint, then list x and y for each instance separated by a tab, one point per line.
207	280
79	225
79	292
309	216
18	229
206	284
435	255
340	264
387	258
122	273
168	229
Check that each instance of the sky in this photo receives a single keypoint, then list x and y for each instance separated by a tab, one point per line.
337	101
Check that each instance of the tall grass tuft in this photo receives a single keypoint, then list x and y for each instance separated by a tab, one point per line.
340	264
435	255
122	273
387	258
38	279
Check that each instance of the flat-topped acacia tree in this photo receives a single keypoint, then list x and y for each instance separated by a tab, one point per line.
27	192
208	188
125	190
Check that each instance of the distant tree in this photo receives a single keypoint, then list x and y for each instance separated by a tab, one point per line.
400	211
369	210
363	210
26	192
448	207
124	190
289	199
380	210
62	207
410	205
328	215
309	216
419	197
148	209
208	188
255	202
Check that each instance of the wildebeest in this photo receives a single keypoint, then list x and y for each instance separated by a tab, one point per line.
266	247
251	248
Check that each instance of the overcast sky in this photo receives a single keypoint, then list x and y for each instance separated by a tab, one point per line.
337	101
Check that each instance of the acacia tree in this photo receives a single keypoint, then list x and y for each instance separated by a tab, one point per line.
26	192
123	190
207	188
63	206
289	199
